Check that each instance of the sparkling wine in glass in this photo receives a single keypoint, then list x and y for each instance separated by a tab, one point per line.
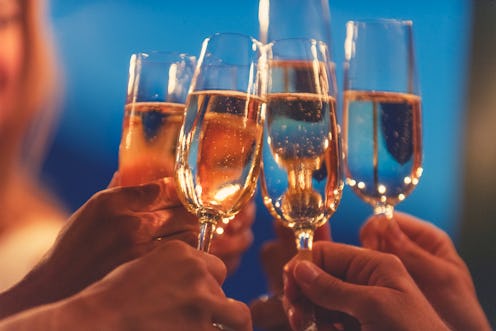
301	173
296	19
219	150
382	136
157	88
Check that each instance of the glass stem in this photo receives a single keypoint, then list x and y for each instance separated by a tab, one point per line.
384	209
207	228
387	211
304	242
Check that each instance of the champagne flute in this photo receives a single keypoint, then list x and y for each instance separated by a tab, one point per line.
156	95
382	113
290	19
218	154
301	177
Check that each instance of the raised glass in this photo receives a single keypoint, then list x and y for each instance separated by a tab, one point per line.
301	176
382	136
156	95
219	150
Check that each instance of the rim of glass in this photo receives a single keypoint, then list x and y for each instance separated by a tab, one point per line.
383	21
233	34
163	56
301	39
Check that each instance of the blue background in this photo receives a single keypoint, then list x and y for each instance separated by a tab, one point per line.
95	39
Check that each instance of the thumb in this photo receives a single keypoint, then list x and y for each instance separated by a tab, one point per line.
328	291
157	195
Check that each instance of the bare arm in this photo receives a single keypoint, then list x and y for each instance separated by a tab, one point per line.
114	226
175	287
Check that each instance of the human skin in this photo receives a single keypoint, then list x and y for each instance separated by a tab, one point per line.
237	235
11	56
433	262
174	287
371	287
113	227
267	311
236	238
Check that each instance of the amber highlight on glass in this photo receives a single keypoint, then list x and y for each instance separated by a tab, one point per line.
382	122
218	155
156	95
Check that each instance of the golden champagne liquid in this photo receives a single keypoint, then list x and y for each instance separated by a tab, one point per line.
219	152
148	145
383	144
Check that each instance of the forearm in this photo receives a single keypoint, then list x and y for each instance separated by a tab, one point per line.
36	319
32	291
75	313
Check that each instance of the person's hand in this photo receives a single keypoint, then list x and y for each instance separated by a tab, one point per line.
236	238
371	287
114	226
431	259
174	287
267	311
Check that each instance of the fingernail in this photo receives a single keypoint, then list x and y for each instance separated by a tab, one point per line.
305	272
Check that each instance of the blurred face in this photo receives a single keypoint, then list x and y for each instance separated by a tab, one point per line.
11	51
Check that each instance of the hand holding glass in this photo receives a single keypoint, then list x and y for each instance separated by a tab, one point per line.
301	176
